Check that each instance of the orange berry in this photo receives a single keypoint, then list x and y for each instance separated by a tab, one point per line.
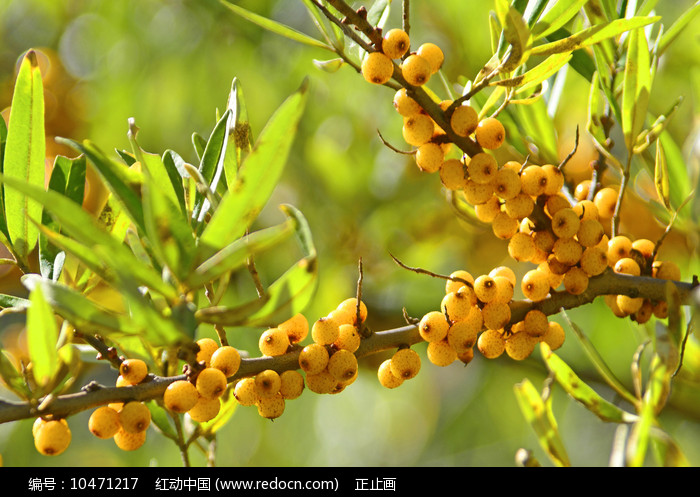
490	133
395	43
377	68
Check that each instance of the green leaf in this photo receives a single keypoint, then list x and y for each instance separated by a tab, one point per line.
661	176
678	176
535	122
12	301
276	27
636	87
329	66
199	144
537	74
258	175
25	151
12	378
650	135
175	168
228	408
123	181
161	419
539	414
3	141
592	35
580	391
557	16
677	28
517	33
42	335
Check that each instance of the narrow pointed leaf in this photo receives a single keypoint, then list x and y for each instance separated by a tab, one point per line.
539	415
661	176
3	141
557	16
537	74
517	33
677	28
636	87
25	151
258	176
12	378
42	335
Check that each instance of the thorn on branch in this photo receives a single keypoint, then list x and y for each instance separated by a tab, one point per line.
390	146
572	153
430	273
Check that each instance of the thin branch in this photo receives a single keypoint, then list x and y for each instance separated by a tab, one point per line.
572	153
390	146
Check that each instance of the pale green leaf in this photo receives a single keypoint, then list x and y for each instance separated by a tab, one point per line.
42	335
661	181
556	17
636	87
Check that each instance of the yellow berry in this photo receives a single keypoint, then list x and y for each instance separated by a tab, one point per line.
534	180
477	193
325	331
576	281
464	120
506	183
555	179
271	407
273	342
395	43
504	226
433	326
567	251
227	359
429	157
590	232
519	206
350	305
456	305
296	327
666	270
462	335
129	441
491	344
267	383
348	338
455	285
342	365
521	247
485	288
627	265
405	364
211	383
313	358
292	384
322	382
104	422
180	396
490	133
606	201
207	346
205	409
441	354
535	285
418	129
245	392
554	337
134	417
453	174
416	70
52	437
133	370
496	315
377	68
519	346
535	323
619	247
565	223
482	168
386	378
433	54
594	261
405	105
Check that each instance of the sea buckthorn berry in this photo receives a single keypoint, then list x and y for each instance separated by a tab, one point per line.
325	331
586	209
519	206
594	261
433	327
490	133
405	105
342	365
134	417
207	346
466	356
433	54
553	279
313	358
464	120
496	315
477	193
645	312
104	422
504	226
576	281
644	247
555	203
488	210
462	335
133	370
386	378
590	232
267	383
292	384
519	346
453	174
416	70
429	157
485	288
205	409
348	338
506	183
619	247
535	285
504	271
456	305
582	189
273	342
534	180
482	168
666	270
557	267
343	316
405	363
661	309
567	251
454	285
535	323
611	302
377	68
322	382
440	353
521	247
350	305
271	407
491	344
606	201
627	265
227	359
180	396
245	392
555	179
565	223
544	240
52	438
211	383
504	289
554	337
629	305
296	327
129	441
395	43
418	129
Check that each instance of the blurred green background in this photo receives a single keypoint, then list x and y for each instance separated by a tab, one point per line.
169	64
